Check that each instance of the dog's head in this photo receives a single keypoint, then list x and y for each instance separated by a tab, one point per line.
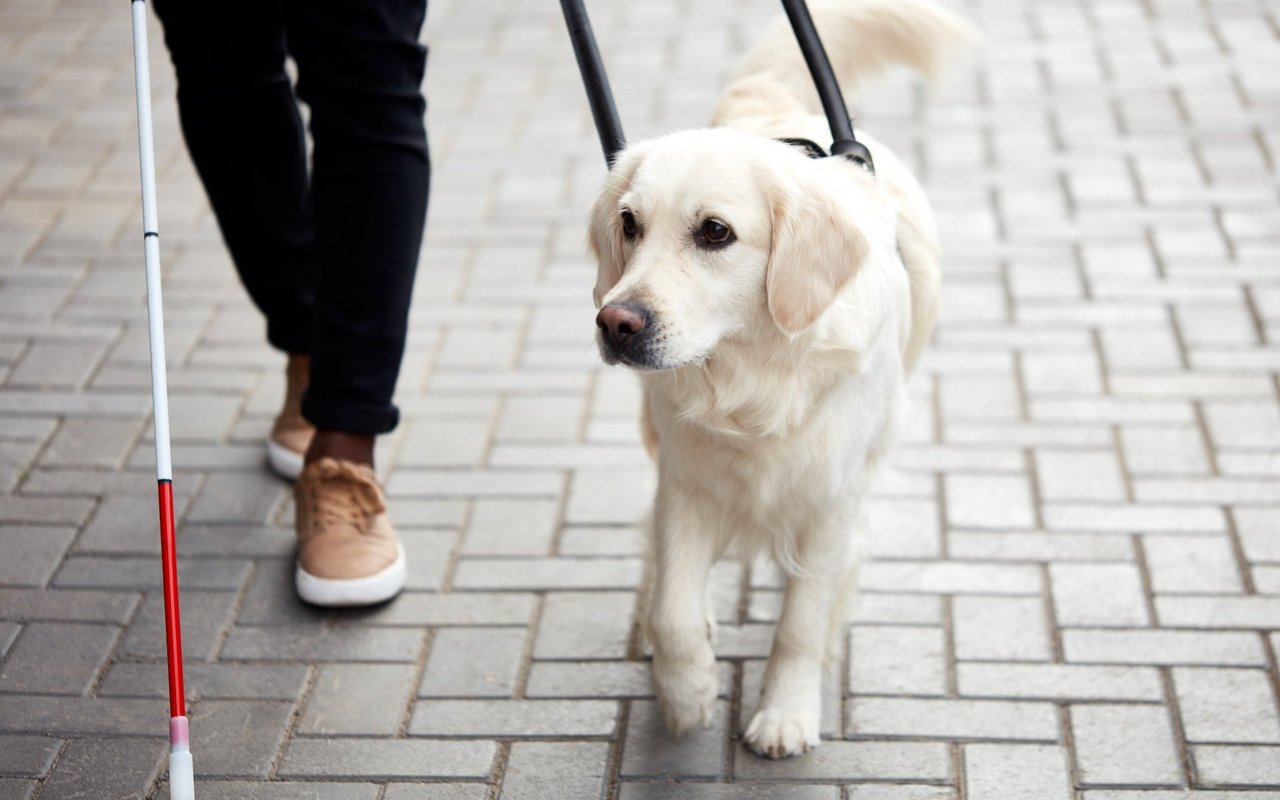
704	237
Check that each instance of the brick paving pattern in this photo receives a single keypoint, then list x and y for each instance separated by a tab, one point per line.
1075	589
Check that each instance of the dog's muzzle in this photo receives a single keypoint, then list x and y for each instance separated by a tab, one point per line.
626	334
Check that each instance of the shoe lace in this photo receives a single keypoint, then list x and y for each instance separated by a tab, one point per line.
341	495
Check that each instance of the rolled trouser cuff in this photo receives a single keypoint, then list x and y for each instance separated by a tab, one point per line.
337	415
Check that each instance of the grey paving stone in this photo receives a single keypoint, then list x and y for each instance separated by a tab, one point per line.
989	501
216	681
744	641
513	718
280	790
897	791
237	738
1037	546
1177	794
431	443
950	577
1191	564
511	527
110	768
17	789
894	609
8	632
1109	595
851	761
237	497
124	524
1237	765
1000	629
1059	681
428	554
65	716
49	605
243	541
57	658
418	512
597	498
1226	705
464	609
272	600
27	756
205	616
473	662
650	751
1016	772
540	419
555	769
549	573
1161	647
1220	611
887	659
87	484
387	758
420	483
56	364
726	791
358	699
590	679
584	625
1124	745
32	553
203	417
436	791
348	643
952	719
94	572
89	441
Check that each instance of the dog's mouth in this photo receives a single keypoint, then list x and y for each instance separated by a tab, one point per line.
637	354
644	354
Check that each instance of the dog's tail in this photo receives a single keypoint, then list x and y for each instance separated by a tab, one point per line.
862	38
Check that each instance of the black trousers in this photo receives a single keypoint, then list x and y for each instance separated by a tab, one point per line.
328	253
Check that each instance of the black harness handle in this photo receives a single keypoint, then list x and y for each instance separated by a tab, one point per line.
843	142
605	113
599	95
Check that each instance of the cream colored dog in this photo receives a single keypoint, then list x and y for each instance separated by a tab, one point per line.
773	305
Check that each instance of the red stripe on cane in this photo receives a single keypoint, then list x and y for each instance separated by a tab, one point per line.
172	615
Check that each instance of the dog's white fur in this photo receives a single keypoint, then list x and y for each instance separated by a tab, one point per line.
778	361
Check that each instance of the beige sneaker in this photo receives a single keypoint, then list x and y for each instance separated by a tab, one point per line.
291	434
348	553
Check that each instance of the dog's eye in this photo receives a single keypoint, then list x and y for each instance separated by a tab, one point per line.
714	232
629	228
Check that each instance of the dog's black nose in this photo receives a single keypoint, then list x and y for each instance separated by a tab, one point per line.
621	323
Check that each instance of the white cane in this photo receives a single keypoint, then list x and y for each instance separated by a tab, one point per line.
181	771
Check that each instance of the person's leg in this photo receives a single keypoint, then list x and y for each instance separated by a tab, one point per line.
244	133
242	128
360	69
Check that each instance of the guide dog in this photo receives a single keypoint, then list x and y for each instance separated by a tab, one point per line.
773	305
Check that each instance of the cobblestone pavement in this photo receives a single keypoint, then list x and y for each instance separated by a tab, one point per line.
1076	583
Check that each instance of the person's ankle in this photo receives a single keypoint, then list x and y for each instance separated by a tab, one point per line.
354	447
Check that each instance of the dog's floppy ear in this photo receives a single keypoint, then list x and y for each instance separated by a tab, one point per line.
605	227
816	251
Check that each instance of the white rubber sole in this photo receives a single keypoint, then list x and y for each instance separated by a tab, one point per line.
377	588
284	462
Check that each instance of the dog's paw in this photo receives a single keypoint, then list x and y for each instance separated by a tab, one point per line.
686	694
777	733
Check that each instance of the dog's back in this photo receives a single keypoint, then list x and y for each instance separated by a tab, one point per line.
771	93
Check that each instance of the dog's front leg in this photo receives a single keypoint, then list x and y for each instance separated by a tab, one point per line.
790	712
684	666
